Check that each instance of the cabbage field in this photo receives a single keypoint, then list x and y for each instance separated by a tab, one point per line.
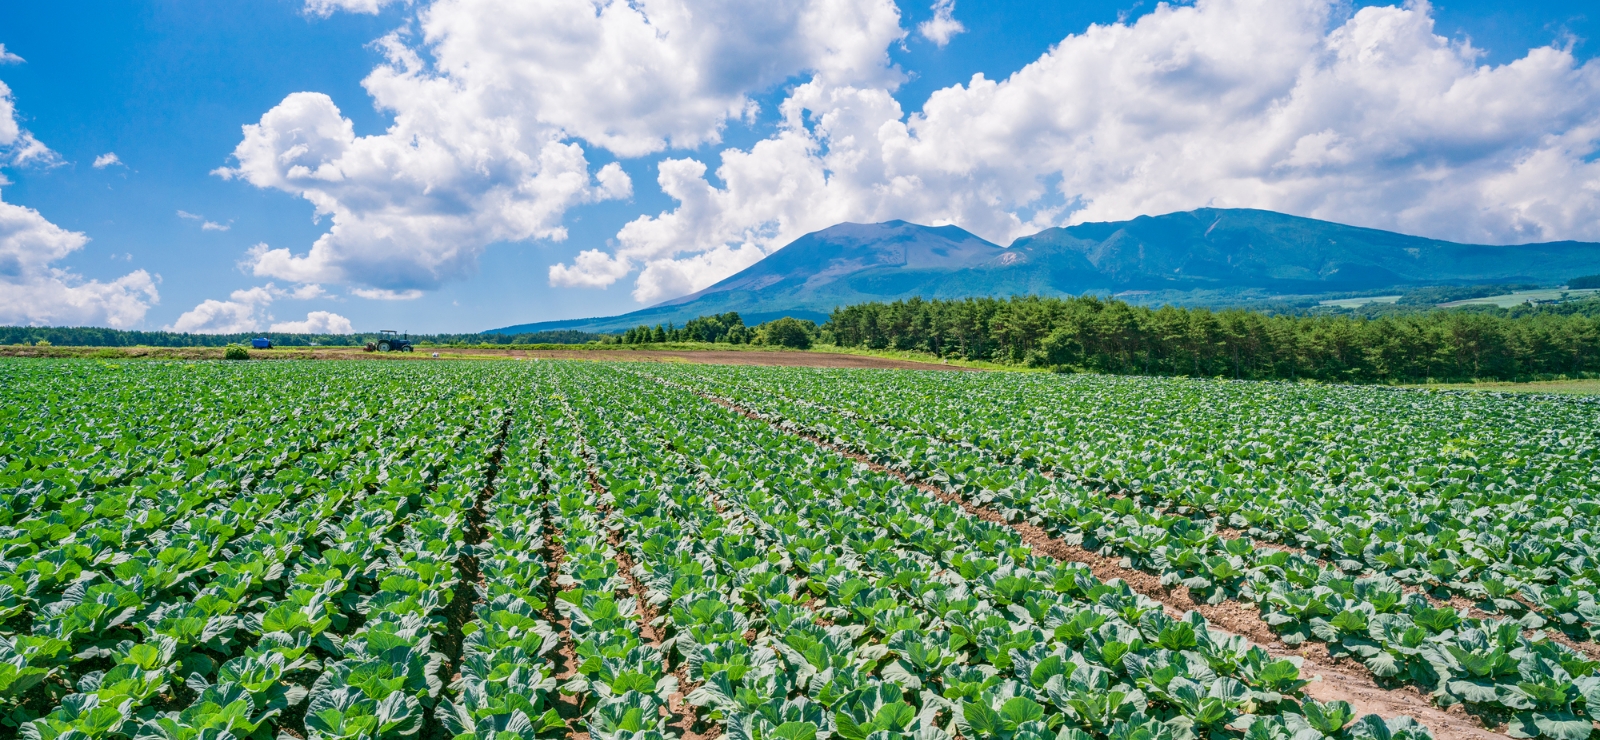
518	550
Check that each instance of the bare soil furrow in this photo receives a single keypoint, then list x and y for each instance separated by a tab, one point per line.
569	706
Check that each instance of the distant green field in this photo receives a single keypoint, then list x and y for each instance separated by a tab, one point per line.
1359	302
1508	300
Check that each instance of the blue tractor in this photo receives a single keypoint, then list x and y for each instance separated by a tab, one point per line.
390	340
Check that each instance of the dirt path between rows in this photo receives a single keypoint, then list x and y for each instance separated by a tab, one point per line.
1332	680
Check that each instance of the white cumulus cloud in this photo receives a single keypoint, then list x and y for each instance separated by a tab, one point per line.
236	315
592	268
306	292
17	146
35	291
246	310
317	322
217	317
943	26
106	160
494	103
1299	106
212	316
7	57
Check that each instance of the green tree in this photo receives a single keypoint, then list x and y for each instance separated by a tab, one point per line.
713	328
787	332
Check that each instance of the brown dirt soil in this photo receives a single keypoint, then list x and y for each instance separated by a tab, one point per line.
785	358
566	658
1331	679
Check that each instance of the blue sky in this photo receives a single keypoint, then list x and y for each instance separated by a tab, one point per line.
167	85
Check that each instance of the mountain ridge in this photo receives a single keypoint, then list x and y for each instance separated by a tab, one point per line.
1197	253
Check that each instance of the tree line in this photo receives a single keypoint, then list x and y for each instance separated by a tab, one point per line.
726	328
1111	336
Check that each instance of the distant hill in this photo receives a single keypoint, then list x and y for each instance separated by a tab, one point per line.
1209	251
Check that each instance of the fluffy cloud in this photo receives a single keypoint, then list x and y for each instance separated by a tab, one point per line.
35	292
306	292
415	206
592	268
943	26
489	130
7	57
1368	118
234	316
246	311
317	322
634	78
17	146
106	160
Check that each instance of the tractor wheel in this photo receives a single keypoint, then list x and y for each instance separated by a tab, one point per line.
408	348
383	346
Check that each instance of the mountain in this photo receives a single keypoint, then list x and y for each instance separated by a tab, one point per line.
847	263
1213	248
1209	254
